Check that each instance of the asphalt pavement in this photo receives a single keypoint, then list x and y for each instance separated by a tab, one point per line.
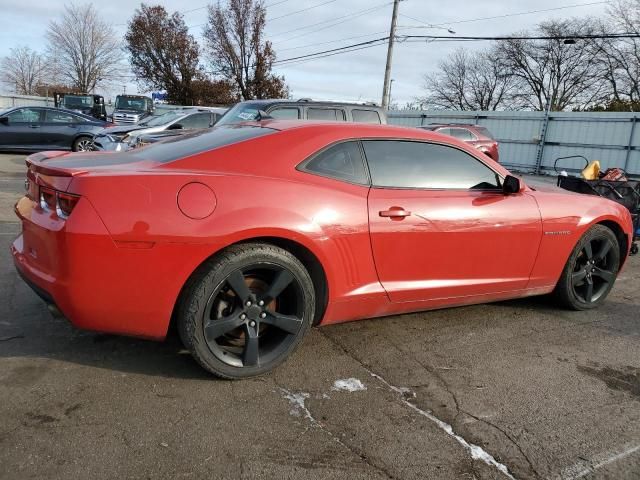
517	389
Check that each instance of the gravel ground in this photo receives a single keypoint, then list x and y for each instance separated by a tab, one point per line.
529	390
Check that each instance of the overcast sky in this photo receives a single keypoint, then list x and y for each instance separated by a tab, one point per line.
355	76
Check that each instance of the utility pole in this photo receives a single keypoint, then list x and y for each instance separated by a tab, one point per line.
387	68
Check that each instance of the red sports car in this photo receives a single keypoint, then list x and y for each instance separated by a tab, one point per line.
245	236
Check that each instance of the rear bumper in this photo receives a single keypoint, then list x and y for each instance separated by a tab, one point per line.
96	284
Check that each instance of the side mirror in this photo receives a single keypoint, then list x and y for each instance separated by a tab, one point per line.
511	185
175	126
4	120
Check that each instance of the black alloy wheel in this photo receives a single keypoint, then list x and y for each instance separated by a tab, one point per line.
591	270
254	315
248	310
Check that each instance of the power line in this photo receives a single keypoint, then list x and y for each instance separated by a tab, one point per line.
331	41
303	10
415	38
524	37
339	49
470	20
351	15
298	62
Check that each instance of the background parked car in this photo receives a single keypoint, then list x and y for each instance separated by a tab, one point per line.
123	137
44	128
474	135
305	109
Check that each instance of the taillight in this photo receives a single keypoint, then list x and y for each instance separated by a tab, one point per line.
66	204
60	202
47	198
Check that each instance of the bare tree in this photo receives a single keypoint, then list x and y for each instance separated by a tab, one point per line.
619	58
234	37
565	74
84	47
163	54
470	81
23	69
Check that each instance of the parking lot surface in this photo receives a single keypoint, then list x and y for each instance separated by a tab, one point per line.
517	389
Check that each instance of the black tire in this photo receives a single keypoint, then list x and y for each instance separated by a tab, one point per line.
244	311
591	270
82	144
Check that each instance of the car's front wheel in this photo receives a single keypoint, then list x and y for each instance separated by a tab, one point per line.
245	310
82	144
591	270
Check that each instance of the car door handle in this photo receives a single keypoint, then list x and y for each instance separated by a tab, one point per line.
34	126
394	212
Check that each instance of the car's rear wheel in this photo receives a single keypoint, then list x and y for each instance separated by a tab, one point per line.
591	270
82	144
245	310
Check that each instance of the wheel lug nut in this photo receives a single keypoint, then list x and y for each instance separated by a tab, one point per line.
252	323
242	316
263	315
248	303
261	303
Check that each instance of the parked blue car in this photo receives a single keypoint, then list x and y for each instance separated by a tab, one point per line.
45	128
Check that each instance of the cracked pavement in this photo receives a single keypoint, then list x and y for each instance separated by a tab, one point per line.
546	392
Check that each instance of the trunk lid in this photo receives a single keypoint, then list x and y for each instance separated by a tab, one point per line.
58	169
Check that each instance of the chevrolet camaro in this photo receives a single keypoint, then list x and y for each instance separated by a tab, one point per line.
245	236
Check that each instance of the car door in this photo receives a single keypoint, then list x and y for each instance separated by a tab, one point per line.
60	128
21	129
440	225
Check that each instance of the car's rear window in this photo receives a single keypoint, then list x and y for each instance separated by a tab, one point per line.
197	142
484	131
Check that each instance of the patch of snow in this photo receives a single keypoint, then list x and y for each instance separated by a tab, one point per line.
349	385
298	407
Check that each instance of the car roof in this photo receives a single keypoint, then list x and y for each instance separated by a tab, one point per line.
65	110
305	101
337	127
438	125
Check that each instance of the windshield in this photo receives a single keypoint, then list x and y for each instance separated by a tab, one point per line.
77	101
157	120
128	103
241	112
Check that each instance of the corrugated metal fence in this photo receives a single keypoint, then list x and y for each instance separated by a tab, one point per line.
531	141
9	101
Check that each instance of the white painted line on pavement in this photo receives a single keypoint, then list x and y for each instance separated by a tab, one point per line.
580	470
477	452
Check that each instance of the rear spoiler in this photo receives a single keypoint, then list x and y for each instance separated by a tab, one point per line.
35	164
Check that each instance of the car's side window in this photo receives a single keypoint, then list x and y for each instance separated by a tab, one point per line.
197	120
365	116
334	114
285	113
462	134
52	116
24	115
408	164
342	161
